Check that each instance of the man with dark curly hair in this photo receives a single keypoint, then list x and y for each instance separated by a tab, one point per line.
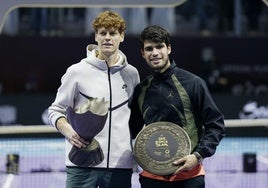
174	95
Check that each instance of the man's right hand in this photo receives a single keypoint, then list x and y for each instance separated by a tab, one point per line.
70	134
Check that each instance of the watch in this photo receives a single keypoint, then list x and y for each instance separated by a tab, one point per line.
198	157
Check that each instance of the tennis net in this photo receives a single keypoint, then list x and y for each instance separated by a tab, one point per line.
33	156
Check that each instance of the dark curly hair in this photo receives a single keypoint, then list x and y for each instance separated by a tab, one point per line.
156	34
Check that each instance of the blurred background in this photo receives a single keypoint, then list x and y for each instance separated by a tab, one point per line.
225	42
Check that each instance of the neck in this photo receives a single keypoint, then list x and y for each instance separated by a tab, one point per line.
111	60
165	67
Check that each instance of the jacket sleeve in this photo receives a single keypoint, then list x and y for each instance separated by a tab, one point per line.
212	122
136	121
64	98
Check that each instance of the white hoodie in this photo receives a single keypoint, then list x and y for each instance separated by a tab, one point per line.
92	77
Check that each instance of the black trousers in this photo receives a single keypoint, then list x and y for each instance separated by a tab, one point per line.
197	182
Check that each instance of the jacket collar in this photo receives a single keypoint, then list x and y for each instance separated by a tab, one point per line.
167	72
101	64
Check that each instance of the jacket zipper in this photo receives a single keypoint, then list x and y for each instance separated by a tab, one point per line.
110	116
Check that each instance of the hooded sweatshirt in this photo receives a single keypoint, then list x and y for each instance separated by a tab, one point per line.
92	78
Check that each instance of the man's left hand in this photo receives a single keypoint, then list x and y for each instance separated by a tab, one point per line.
186	163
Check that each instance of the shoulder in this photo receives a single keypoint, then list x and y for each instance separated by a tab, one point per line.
146	81
131	68
78	66
76	70
131	71
184	75
191	82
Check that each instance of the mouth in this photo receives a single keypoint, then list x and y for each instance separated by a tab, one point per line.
107	44
155	60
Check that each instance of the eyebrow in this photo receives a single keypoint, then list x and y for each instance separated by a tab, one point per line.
157	46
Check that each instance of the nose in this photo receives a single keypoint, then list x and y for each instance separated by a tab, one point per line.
107	36
155	52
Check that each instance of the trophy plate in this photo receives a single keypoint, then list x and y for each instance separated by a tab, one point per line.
158	145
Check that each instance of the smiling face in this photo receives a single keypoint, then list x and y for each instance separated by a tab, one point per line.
156	55
156	47
108	40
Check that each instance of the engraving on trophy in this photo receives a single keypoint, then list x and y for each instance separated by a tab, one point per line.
158	145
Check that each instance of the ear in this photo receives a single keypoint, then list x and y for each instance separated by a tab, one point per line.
142	53
169	49
96	37
122	36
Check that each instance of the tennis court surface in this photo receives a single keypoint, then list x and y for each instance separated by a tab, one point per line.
238	163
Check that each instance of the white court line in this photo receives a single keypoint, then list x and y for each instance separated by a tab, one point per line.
263	159
9	180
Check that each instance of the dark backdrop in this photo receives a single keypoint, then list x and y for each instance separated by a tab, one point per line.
31	68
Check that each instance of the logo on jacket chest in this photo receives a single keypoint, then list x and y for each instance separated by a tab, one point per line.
124	86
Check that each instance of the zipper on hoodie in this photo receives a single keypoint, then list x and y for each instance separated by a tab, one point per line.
110	115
